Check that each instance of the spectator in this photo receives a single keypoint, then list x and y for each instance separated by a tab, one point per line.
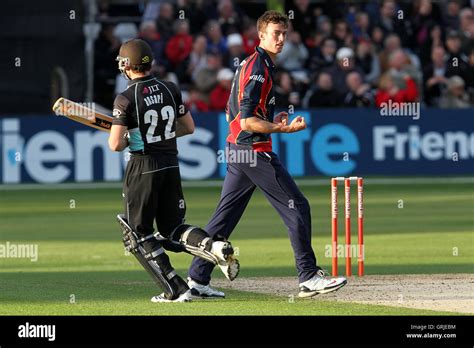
220	94
206	78
388	21
294	55
349	15
391	44
236	53
196	61
325	95
361	28
469	76
388	91
466	19
165	20
149	34
368	61
324	26
323	58
250	37
195	101
456	96
423	23
377	36
285	93
194	12
466	28
345	64
359	94
434	76
215	41
106	49
314	43
457	60
304	21
400	66
150	13
342	34
450	15
179	45
436	39
229	19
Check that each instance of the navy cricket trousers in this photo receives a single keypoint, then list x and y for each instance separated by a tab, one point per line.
269	175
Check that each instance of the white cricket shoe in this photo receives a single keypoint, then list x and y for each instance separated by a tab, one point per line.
204	291
228	264
321	284
184	297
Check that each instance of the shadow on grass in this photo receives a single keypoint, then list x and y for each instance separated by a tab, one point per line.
113	285
82	286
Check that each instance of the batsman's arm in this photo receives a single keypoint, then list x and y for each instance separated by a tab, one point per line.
184	125
118	140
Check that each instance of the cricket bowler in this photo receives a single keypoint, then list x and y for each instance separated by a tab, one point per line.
148	117
250	112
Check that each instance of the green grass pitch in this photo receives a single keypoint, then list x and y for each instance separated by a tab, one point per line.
82	270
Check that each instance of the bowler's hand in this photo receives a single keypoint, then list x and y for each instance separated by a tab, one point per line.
281	118
295	126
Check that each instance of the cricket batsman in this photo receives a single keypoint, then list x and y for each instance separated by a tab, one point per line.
148	117
250	112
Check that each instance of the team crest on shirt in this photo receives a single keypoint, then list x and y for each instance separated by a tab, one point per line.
116	113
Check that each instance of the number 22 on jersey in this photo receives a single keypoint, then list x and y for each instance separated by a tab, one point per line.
151	117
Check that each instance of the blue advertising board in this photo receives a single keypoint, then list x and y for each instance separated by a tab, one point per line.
337	142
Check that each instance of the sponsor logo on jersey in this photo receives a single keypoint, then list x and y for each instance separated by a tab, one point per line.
153	88
272	101
258	78
150	89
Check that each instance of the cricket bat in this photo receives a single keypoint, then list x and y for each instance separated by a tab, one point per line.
84	113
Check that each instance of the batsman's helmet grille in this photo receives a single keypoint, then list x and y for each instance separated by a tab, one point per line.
135	52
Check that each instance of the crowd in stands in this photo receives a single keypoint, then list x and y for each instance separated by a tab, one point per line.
337	54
